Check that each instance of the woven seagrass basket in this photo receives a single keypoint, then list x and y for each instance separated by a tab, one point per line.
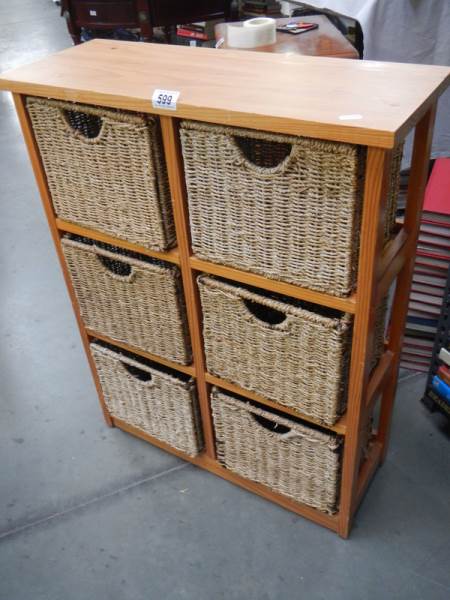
289	457
160	401
285	207
288	351
105	170
129	297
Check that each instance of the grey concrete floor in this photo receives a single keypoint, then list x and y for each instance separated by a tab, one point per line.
88	512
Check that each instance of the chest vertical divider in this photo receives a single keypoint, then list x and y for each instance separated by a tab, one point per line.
174	161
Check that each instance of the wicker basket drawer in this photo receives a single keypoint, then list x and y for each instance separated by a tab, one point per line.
105	170
290	458
129	297
148	396
285	207
279	349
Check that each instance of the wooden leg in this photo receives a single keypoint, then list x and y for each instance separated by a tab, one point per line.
377	168
168	33
41	180
75	32
143	18
174	160
416	189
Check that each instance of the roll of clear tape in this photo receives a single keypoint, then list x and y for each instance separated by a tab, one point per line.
260	31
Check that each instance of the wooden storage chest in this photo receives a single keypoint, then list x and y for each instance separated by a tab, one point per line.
373	107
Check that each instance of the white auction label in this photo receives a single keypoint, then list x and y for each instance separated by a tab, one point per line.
165	99
92	13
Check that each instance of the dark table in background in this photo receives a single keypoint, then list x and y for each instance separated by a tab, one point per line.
139	14
325	41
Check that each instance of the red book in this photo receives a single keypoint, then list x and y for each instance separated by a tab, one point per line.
432	260
441	221
188	33
427	289
444	373
433	228
423	277
418	353
431	239
437	194
425	298
418	342
406	363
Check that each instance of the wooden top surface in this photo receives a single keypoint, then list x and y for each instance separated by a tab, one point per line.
325	41
363	102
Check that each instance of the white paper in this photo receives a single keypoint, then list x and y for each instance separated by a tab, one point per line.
166	99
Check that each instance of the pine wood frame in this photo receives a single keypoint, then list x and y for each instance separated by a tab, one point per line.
378	268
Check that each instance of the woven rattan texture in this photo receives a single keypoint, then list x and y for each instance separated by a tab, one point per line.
115	181
155	402
293	216
144	307
301	362
296	461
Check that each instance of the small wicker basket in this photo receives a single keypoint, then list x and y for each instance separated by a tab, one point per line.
105	170
129	297
291	352
280	349
285	207
155	399
290	458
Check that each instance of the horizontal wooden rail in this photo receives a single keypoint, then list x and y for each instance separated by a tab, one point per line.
188	369
169	256
272	285
339	427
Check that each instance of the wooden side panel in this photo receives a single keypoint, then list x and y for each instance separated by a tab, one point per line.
41	180
174	160
416	190
377	168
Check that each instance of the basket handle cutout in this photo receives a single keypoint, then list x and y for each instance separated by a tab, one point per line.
266	314
270	425
84	124
116	268
263	156
137	373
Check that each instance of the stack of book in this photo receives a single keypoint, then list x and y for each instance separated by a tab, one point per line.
430	271
440	384
197	34
257	8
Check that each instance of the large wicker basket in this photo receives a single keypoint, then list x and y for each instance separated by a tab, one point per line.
290	458
129	297
105	170
287	351
288	208
157	400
